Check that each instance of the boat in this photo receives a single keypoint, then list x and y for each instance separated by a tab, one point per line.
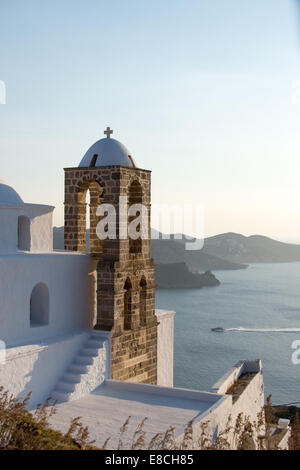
218	329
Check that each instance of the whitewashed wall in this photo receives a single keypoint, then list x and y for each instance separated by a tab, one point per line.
165	347
70	280
250	402
40	227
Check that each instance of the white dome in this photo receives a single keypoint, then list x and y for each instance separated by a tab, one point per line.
8	195
107	152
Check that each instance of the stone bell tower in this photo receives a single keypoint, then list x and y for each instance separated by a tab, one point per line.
125	271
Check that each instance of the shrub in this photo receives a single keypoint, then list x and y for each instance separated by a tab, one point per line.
24	430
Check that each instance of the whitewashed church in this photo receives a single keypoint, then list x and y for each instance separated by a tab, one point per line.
81	326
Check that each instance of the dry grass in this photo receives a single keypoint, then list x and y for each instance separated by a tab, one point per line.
23	430
240	385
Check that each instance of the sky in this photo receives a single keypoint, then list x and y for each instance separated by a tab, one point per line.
205	93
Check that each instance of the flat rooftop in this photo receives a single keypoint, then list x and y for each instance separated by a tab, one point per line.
106	409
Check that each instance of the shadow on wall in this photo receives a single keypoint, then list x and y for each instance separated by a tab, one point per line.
39	305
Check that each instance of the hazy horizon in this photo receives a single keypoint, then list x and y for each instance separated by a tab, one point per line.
287	240
207	96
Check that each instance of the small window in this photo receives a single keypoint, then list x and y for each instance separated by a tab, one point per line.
24	233
39	305
94	160
131	160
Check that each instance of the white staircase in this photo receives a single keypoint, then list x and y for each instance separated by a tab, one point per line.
87	371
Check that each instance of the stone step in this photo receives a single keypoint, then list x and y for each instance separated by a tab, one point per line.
95	343
77	368
85	360
65	386
79	377
92	352
60	396
69	377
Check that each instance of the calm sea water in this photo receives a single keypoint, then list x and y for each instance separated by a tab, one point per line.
262	297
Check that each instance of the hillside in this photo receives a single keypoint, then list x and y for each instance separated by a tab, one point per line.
173	251
237	248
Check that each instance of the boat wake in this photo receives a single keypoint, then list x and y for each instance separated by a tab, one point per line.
264	330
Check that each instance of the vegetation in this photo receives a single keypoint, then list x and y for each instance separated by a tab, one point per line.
291	413
22	430
287	412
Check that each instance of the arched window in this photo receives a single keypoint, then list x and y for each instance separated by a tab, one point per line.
128	305
24	233
135	196
143	302
39	305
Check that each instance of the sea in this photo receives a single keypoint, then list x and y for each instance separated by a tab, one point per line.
259	309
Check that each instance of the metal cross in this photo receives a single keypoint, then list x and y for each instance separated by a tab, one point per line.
108	132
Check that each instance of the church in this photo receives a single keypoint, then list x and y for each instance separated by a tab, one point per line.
80	325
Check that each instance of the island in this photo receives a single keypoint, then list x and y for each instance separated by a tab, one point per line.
178	276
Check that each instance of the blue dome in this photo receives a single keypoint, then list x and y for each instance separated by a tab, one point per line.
8	195
107	152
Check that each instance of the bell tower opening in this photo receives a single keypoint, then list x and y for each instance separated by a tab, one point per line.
135	196
143	302
128	305
81	203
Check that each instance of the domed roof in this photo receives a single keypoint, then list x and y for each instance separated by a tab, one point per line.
107	152
8	195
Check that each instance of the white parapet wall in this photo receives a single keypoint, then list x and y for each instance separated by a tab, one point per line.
242	367
247	401
165	347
